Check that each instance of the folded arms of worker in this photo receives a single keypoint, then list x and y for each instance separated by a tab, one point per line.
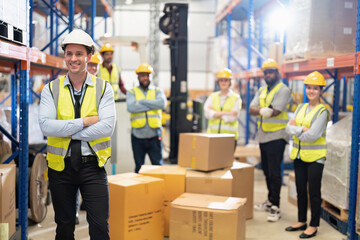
313	133
104	127
144	105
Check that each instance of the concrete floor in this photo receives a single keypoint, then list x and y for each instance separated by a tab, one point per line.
256	229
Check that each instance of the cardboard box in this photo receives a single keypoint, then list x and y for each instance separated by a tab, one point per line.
174	177
7	197
136	207
204	217
206	152
237	181
242	152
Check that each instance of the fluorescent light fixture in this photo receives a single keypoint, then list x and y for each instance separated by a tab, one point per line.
128	2
280	19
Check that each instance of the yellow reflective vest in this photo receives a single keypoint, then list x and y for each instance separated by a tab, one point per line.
271	124
58	147
153	117
309	152
218	125
112	78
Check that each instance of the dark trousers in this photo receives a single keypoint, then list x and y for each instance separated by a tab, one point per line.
93	185
308	174
271	158
141	147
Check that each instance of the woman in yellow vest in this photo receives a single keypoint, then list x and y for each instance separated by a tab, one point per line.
309	153
222	108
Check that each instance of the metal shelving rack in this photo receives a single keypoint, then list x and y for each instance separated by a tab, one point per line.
339	68
22	61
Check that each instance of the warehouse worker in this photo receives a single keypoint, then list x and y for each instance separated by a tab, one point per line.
145	103
309	153
78	139
109	71
222	108
93	65
270	104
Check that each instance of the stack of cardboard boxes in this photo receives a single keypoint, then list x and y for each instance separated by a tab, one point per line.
209	201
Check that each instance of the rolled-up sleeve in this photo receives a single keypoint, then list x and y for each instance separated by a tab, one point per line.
49	125
107	118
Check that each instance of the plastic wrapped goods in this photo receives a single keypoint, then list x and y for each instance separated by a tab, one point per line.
335	181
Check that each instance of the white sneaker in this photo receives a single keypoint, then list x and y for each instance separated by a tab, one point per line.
264	207
274	214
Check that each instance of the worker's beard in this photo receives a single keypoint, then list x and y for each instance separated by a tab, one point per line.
144	85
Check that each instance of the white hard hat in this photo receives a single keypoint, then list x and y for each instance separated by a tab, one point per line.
78	36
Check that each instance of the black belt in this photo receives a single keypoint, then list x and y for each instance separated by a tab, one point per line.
85	159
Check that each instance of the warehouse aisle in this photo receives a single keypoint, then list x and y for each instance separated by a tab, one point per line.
256	229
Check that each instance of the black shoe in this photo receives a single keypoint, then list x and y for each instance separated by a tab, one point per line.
77	221
292	229
304	235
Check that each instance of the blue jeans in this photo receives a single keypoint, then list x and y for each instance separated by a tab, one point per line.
151	146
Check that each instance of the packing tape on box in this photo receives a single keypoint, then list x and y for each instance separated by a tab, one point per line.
4	231
194	142
193	162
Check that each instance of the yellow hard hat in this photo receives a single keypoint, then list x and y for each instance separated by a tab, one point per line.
144	68
315	78
95	58
106	48
225	73
269	64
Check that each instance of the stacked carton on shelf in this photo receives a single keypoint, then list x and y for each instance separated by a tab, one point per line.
308	38
7	198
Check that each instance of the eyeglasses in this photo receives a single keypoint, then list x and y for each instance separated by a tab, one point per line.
269	71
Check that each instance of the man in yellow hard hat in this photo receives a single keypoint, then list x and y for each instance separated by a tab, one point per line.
109	71
77	114
145	103
269	105
222	107
93	64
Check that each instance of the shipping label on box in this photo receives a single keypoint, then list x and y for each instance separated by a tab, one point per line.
7	196
207	217
136	207
206	152
174	177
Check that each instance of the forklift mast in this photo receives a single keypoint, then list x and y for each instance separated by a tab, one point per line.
174	24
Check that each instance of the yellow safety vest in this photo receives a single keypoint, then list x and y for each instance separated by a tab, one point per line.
271	124
58	147
218	125
113	79
309	152
138	120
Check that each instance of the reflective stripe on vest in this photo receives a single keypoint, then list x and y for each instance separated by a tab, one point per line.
278	122
138	120
58	147
113	79
218	125
309	152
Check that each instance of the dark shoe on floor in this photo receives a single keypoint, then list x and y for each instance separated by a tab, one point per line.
293	229
77	221
304	235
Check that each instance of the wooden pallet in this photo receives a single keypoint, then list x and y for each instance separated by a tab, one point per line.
305	56
339	213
